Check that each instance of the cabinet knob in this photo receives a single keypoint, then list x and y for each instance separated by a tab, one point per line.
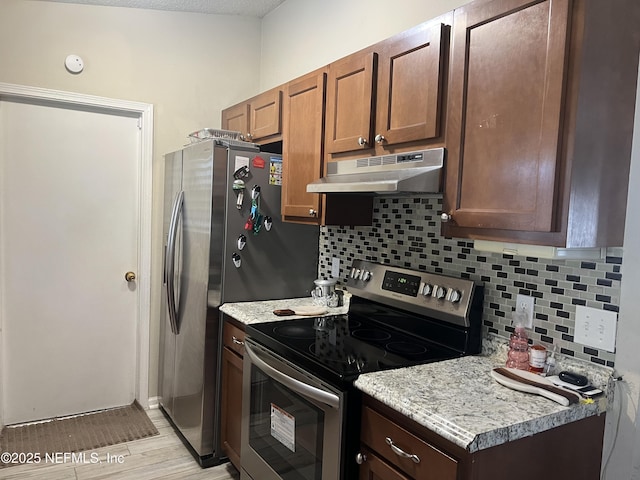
312	212
361	458
380	138
362	141
445	217
248	136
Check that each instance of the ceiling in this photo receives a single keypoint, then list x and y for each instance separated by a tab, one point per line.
252	8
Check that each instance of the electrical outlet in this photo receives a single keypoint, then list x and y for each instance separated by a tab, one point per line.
524	307
596	328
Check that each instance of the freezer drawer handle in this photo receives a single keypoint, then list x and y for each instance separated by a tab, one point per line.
297	386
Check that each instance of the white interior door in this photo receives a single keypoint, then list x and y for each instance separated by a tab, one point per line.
69	228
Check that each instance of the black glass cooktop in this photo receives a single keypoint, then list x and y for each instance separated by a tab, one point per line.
341	347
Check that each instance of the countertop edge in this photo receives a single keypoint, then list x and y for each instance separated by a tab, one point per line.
411	403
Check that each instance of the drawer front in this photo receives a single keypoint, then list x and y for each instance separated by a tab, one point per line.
233	338
433	464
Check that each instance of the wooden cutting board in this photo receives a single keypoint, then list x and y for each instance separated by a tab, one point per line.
530	382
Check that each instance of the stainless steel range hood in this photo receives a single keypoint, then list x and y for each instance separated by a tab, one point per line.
411	172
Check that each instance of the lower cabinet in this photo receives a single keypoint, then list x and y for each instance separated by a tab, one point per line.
394	447
231	414
373	468
402	449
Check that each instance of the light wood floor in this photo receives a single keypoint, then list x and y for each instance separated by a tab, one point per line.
162	457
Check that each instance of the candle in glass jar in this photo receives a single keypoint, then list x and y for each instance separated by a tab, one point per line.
537	358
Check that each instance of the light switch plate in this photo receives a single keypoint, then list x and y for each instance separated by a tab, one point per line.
596	328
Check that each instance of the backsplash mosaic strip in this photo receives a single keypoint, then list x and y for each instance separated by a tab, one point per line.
406	233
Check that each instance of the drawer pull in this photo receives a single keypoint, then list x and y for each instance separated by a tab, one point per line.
401	453
235	340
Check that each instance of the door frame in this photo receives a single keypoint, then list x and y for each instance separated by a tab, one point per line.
144	112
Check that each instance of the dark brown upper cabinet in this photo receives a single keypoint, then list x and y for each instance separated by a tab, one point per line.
388	94
302	147
259	119
539	126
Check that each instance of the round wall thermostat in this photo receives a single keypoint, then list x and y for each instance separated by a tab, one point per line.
74	64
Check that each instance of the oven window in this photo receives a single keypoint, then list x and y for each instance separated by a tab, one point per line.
285	429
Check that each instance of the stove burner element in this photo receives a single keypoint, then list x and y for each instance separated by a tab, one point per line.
295	331
336	358
406	348
370	334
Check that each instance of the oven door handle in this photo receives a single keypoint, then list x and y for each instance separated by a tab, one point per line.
297	386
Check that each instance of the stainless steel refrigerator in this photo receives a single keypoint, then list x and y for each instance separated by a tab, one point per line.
224	241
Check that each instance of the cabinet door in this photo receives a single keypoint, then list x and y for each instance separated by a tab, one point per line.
265	114
350	103
231	405
236	118
505	105
302	153
409	87
375	469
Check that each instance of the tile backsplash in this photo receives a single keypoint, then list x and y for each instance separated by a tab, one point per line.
406	233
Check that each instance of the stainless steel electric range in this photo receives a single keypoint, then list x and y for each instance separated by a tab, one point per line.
301	413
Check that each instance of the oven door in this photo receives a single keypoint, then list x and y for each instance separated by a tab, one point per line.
291	421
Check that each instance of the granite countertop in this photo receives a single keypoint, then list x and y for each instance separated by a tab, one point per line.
258	312
459	400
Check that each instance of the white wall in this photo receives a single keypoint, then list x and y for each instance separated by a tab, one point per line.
189	66
625	458
302	35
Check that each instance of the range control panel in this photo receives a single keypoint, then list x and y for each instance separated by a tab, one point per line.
430	294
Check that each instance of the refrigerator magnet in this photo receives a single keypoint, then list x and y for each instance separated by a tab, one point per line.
240	162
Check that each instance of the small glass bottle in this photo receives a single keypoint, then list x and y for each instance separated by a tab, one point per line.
518	356
550	365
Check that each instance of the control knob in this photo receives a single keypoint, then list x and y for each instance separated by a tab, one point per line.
439	292
427	289
453	295
366	275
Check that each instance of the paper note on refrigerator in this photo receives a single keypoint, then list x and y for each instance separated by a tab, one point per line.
240	162
275	171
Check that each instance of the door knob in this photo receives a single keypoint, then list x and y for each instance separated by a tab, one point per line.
129	276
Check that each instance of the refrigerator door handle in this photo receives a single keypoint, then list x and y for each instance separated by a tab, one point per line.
170	261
